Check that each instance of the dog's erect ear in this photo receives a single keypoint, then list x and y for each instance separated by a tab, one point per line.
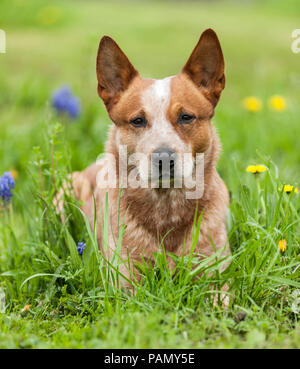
114	71
206	66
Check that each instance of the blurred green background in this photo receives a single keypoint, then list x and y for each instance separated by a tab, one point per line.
54	43
51	43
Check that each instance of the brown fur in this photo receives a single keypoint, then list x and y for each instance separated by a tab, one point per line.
155	214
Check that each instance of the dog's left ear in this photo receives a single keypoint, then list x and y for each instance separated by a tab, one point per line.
205	66
114	71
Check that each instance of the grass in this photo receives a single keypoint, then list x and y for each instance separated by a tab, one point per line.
77	302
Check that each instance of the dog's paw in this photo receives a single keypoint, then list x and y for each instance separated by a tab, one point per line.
222	297
225	300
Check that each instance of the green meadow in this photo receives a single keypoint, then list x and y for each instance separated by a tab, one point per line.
51	297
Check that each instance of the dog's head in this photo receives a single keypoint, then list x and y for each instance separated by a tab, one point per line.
163	119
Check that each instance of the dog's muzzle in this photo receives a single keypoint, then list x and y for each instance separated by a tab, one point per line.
163	163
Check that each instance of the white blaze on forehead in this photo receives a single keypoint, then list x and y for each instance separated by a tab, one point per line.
161	90
156	100
160	132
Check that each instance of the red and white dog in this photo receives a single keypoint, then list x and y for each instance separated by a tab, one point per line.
167	117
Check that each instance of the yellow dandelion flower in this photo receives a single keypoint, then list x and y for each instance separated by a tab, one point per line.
252	103
282	245
277	102
288	189
26	308
255	169
14	173
251	169
261	168
48	15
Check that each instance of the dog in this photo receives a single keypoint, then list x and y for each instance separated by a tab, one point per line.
166	118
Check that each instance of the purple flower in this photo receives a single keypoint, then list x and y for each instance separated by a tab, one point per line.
65	102
73	107
80	248
7	183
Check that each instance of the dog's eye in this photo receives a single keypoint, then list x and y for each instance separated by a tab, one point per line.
185	118
139	122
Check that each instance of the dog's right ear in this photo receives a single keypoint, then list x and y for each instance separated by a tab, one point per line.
205	66
114	71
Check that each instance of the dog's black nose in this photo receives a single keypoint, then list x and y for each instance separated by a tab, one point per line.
163	160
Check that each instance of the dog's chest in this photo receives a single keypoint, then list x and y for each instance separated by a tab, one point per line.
161	216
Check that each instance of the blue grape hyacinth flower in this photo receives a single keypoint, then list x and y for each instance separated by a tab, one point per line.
7	184
80	248
64	102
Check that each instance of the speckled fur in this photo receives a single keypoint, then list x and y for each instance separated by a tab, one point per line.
150	214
